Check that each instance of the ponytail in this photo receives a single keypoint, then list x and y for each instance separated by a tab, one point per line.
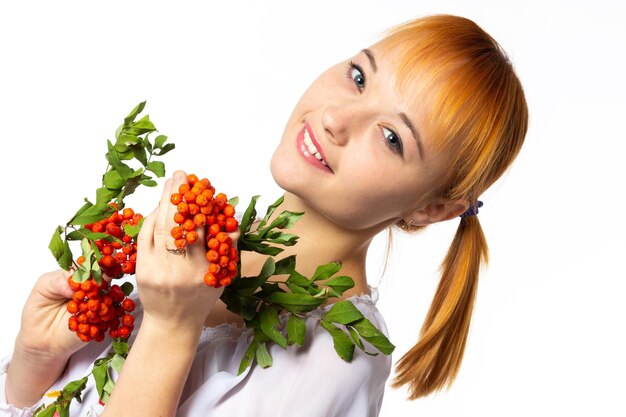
435	360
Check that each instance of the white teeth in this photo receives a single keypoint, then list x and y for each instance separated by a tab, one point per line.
311	147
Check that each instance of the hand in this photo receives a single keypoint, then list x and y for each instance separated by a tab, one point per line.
45	317
171	286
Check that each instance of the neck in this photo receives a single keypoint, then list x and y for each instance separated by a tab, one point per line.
321	241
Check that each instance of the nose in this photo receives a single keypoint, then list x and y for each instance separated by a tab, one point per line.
338	122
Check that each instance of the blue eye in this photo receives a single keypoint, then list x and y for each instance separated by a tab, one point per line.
393	140
355	74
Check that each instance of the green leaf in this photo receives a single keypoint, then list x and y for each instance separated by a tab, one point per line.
86	233
93	213
168	147
355	338
141	126
271	210
248	216
285	266
113	180
127	288
285	220
159	141
325	271
148	183
341	341
340	284
157	167
295	289
295	303
133	230
104	196
82	274
81	210
263	356
248	357
269	322
113	157
298	279
86	247
268	269
287	239
343	312
56	243
131	116
233	201
47	412
371	334
120	348
101	375
117	363
296	329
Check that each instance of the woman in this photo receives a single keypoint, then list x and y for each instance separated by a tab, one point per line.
408	132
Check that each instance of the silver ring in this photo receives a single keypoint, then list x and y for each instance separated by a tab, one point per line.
176	251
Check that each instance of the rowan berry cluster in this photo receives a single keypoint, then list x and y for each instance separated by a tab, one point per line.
117	258
96	308
198	206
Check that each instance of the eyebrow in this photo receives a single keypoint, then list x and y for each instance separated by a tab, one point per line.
403	116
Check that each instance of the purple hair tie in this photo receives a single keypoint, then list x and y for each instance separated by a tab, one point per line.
472	210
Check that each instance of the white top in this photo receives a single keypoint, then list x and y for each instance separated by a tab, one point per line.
310	381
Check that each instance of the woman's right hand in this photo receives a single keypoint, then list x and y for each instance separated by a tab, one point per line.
44	326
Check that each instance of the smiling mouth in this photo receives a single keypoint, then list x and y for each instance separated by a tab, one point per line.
312	149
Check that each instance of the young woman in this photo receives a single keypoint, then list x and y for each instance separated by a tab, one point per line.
408	132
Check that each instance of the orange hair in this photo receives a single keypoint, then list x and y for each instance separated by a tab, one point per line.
478	117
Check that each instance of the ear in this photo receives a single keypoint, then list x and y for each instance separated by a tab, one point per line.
437	211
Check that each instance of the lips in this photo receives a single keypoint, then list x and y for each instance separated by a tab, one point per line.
310	149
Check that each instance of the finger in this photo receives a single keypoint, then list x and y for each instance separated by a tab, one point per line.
166	222
145	240
159	225
55	286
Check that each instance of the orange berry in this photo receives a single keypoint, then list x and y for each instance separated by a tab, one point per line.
128	213
72	307
79	296
179	218
225	281
206	182
83	328
188	225
183	208
87	285
192	179
180	243
224	261
212	255
208	193
211	218
123	332
232	267
193	209
210	279
231	224
72	323
224	249
177	232
229	210
107	261
214	268
207	210
137	218
73	284
222	237
128	304
190	196
199	219
80	260
97	228
128	267
128	320
183	188
202	200
214	229
176	198
107	250
221	200
191	237
221	219
213	243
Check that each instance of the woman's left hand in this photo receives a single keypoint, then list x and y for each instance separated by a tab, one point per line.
171	286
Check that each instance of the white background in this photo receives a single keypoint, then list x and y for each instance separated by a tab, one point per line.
547	336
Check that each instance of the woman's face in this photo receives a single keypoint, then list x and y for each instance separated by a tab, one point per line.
373	172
